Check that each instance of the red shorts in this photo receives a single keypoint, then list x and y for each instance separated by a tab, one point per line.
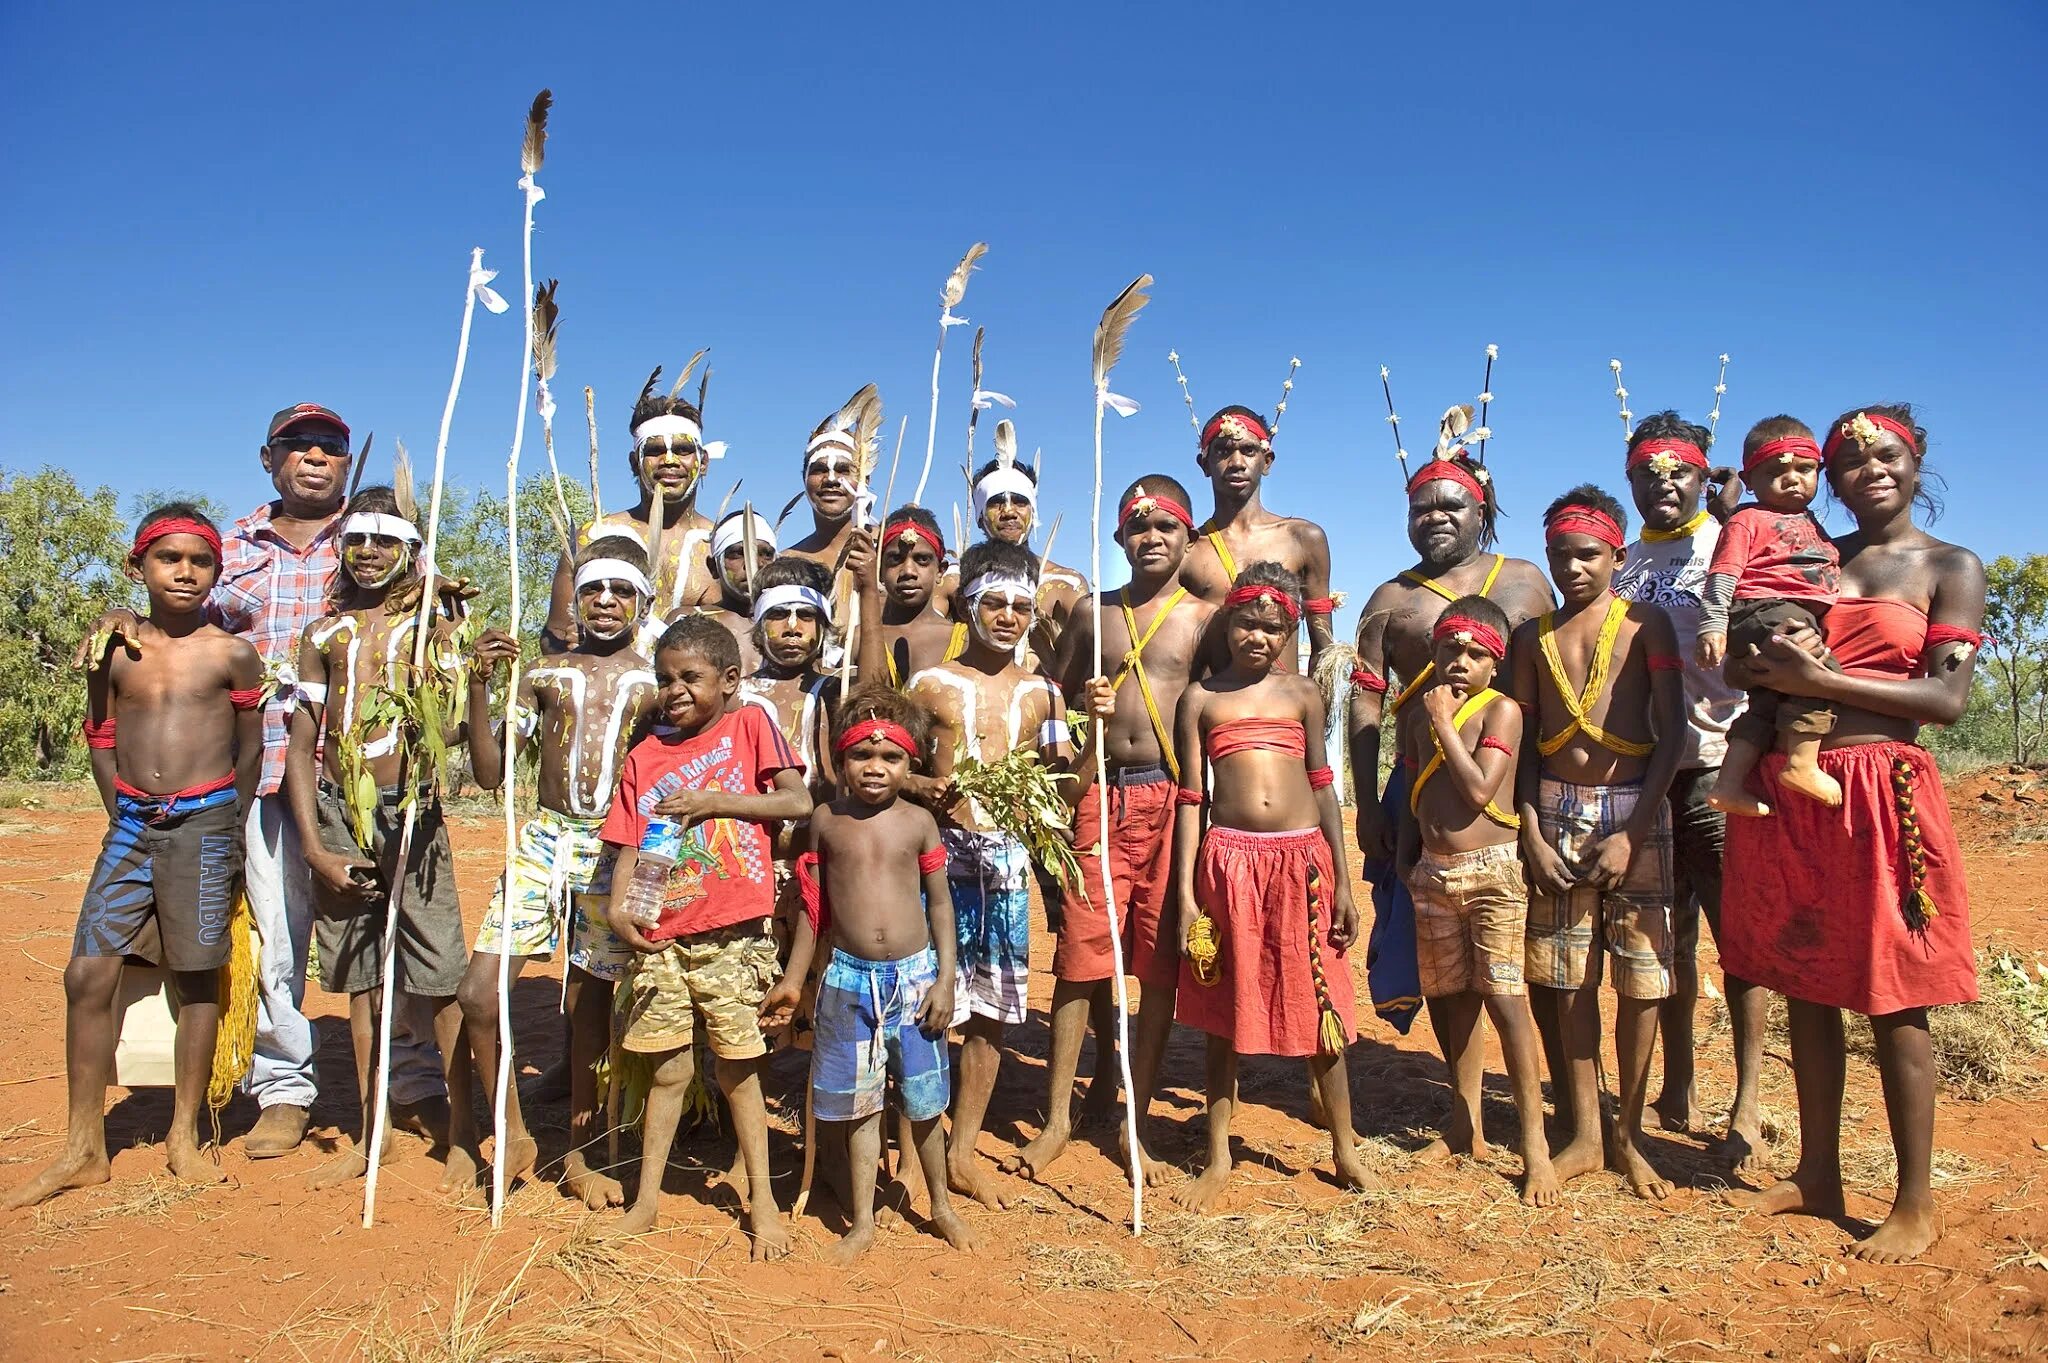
1812	897
1140	858
1260	889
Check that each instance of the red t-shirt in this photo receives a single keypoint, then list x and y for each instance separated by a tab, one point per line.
726	872
1777	555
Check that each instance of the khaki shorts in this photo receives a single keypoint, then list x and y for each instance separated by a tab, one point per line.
719	976
1631	924
1471	912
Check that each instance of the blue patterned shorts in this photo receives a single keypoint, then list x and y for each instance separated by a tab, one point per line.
866	1034
166	882
989	875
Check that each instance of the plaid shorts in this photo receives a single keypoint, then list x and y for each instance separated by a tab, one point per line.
867	1035
1471	914
989	875
720	976
1633	920
561	873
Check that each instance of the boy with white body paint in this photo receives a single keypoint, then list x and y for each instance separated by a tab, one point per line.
733	605
1006	508
586	707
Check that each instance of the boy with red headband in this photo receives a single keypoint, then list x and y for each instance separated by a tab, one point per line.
1599	680
1774	569
1460	860
1152	634
915	634
176	780
886	997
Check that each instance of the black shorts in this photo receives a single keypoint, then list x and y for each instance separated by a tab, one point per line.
165	886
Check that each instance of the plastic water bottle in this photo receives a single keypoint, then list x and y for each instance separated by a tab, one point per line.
660	847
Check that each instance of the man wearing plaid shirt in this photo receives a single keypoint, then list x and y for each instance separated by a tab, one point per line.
276	565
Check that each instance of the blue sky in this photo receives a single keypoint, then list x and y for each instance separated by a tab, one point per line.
217	212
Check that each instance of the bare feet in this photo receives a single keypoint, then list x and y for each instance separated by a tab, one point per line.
735	1178
771	1236
850	1246
1351	1171
1738	802
1793	1194
1155	1172
1905	1234
1813	783
638	1220
1459	1138
351	1164
1678	1112
1745	1149
1580	1157
1037	1157
459	1171
189	1162
72	1169
597	1191
1632	1164
1540	1186
519	1155
1202	1193
551	1085
966	1179
954	1231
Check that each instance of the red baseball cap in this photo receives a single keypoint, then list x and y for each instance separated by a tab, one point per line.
300	415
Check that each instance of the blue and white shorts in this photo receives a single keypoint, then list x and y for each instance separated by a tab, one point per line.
866	1035
989	875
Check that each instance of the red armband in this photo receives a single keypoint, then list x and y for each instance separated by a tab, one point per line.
1491	742
1321	778
246	700
1188	797
100	735
1666	662
812	892
933	860
1320	605
1937	635
1365	679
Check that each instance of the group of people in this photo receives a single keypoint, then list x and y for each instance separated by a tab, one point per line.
756	830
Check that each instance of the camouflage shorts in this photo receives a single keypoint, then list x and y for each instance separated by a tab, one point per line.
719	976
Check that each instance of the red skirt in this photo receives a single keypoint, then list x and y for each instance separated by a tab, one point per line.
1813	899
1261	889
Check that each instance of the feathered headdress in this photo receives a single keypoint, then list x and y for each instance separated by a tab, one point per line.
1267	430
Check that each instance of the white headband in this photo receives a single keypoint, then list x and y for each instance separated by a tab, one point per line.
1008	583
670	424
1004	482
614	570
786	595
732	530
380	523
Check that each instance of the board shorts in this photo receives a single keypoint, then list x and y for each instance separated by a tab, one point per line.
561	873
1277	973
348	929
1471	915
165	885
1140	861
989	875
867	1038
1632	923
720	977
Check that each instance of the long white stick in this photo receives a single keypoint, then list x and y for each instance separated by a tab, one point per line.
1116	944
476	285
931	432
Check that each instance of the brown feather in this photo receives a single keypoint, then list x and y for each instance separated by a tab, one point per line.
1116	320
531	154
648	391
402	486
956	283
684	377
546	317
703	387
974	395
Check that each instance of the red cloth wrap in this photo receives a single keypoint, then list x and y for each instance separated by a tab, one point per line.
1255	887
925	533
1491	742
1184	796
1485	636
1937	635
1241	595
1685	451
1583	520
1666	662
1877	419
811	890
1232	736
1321	778
876	728
1365	679
1320	605
219	783
174	525
1811	896
1140	858
1450	471
1250	426
1145	503
247	699
932	859
1784	444
100	735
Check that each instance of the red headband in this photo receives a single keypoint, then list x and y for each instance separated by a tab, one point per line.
1485	636
1878	419
174	525
1449	471
1784	444
1223	421
929	536
876	728
1682	450
1583	520
1145	503
1241	595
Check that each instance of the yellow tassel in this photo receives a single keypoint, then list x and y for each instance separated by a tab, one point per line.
1203	950
234	1046
1333	1039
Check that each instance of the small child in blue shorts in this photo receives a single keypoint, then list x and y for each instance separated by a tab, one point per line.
887	993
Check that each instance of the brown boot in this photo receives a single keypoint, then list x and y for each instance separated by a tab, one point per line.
277	1132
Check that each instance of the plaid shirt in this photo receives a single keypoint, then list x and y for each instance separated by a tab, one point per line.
268	592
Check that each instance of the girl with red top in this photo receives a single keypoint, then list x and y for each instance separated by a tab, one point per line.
1864	906
1264	899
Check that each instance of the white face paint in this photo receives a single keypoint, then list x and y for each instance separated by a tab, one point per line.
610	592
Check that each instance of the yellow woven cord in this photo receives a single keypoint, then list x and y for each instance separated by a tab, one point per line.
1473	705
1222	553
1682	532
234	1045
1330	1038
1134	661
1596	682
1919	905
1204	951
956	642
1421	680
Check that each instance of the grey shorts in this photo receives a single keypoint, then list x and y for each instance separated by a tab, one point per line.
433	950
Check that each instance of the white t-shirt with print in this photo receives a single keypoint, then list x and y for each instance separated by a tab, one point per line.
1673	574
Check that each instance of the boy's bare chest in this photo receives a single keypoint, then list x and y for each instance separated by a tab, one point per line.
170	675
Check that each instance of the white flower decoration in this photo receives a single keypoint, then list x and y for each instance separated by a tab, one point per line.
1493	352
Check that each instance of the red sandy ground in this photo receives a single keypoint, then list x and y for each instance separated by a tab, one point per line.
1445	1263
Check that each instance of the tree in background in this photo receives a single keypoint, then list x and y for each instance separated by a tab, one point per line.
62	550
472	545
2016	648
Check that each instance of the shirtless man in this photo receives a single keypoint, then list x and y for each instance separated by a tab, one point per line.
984	705
668	461
1451	514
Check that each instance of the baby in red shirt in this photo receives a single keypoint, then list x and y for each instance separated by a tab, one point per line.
1773	567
